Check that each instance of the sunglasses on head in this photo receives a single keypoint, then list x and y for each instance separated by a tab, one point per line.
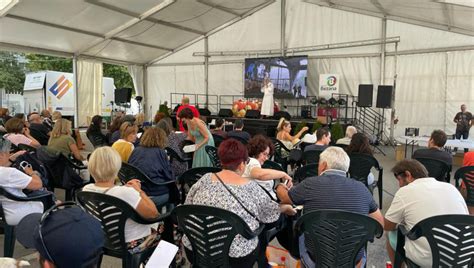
399	174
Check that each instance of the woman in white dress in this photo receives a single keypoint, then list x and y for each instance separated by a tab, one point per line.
267	103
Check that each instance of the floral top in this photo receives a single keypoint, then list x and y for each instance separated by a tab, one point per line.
175	142
212	193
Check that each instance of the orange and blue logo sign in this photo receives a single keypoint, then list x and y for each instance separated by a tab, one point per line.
60	87
331	80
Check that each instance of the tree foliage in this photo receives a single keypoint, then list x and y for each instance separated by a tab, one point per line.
12	75
120	75
38	62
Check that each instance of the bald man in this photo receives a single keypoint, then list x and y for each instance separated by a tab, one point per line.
185	104
37	129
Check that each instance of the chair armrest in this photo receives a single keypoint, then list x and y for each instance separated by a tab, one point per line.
38	197
75	164
139	219
248	234
400	256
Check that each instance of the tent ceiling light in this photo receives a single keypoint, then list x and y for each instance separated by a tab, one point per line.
465	3
6	5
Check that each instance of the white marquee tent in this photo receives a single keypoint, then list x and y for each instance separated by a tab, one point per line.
429	46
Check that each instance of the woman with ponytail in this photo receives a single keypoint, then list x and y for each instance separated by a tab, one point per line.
283	134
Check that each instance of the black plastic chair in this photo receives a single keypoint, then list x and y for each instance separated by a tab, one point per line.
191	176
242	140
62	169
212	153
334	237
26	147
305	171
218	139
436	168
97	140
451	239
211	232
39	136
304	144
9	230
174	156
128	172
467	176
278	156
311	156
113	212
272	165
359	169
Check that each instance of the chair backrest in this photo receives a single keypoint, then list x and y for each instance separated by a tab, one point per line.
451	239
173	155
279	146
191	176
212	152
311	156
343	146
306	171
217	139
26	147
128	172
97	140
242	140
436	168
39	136
360	166
467	176
112	213
334	237
272	165
211	232
304	144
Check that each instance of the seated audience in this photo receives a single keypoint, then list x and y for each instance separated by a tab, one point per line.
113	128
158	116
435	148
95	128
350	131
233	155
38	130
128	135
331	190
70	237
18	133
4	115
116	134
467	161
62	141
260	148
139	120
56	116
46	117
219	130
151	158
360	144
185	104
15	181
418	198
283	134
175	142
104	165
323	138
238	131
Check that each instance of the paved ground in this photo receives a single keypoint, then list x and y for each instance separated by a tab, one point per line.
377	256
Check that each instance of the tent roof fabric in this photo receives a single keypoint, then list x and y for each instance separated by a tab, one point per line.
116	29
147	30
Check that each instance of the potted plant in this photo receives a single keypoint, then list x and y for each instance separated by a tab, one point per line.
336	131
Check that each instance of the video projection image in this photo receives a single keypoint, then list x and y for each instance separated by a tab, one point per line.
288	75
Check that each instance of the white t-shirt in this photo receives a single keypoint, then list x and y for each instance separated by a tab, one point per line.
421	199
268	184
133	230
13	181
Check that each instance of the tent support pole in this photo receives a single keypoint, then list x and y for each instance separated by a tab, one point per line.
392	117
145	92
282	28
206	69
76	91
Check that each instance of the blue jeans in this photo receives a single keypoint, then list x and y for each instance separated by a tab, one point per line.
309	263
162	200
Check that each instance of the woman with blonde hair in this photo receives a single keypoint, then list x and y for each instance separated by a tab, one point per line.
151	158
283	134
128	135
62	141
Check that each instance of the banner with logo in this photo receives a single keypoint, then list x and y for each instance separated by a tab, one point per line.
328	84
60	93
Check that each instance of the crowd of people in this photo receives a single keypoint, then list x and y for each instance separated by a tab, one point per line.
243	186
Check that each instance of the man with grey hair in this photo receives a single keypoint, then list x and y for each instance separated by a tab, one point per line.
350	131
331	189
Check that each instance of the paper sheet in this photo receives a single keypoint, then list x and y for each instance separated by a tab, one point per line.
163	255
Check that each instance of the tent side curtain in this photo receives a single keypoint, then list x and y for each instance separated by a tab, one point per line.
89	93
136	72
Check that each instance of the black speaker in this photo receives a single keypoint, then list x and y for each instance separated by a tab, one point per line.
123	95
204	112
225	113
366	93
306	111
255	114
281	114
384	97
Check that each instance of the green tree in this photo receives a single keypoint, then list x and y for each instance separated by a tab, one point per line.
38	62
12	73
120	75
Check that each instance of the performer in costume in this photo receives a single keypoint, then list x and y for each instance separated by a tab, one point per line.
267	102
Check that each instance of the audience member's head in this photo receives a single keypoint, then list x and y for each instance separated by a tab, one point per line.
238	124
128	118
115	125
359	144
15	125
45	113
219	123
260	148
284	124
61	127
333	158
20	116
34	118
233	155
350	131
438	139
323	136
140	119
158	117
96	121
4	112
154	137
408	170
56	116
186	113
128	131
185	101
104	164
64	236
165	127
